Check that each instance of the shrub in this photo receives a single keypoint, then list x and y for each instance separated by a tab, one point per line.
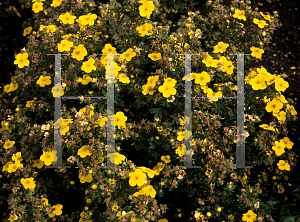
149	107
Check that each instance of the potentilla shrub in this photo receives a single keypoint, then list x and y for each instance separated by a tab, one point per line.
149	113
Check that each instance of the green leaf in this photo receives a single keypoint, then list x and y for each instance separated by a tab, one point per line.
154	111
271	203
48	182
159	114
152	147
289	219
127	208
45	189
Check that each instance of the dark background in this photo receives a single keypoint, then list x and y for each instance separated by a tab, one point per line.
280	55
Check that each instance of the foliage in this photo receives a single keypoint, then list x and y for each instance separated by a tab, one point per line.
149	107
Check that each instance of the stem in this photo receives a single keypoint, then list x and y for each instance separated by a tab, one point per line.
122	200
146	113
253	97
131	33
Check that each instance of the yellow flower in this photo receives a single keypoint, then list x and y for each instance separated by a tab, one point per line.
282	165
166	158
45	203
17	157
180	136
118	158
11	87
287	143
250	216
281	85
108	49
79	52
37	7
167	90
143	29
208	214
146	9
101	122
261	23
291	109
221	47
266	17
22	60
180	150
219	209
28	183
57	210
151	81
83	179
48	157
231	217
266	127
5	126
16	11
27	31
88	19
256	52
159	167
64	45
274	106
120	120
240	14
258	82
210	93
281	115
8	144
142	1
203	78
114	207
123	78
67	18
170	81
128	55
149	172
210	62
88	66
38	163
83	152
57	91
155	56
148	89
12	167
51	28
85	80
278	148
56	3
42	81
137	178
